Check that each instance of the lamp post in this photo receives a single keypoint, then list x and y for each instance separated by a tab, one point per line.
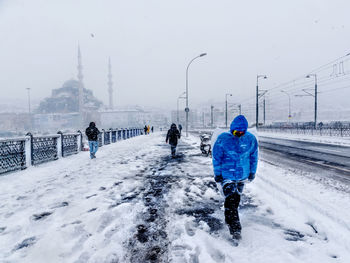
309	76
289	111
187	109
177	111
257	98
29	110
28	89
226	107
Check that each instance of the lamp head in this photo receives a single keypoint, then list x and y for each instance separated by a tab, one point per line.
203	54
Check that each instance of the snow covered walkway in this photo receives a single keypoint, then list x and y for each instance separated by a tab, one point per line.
135	204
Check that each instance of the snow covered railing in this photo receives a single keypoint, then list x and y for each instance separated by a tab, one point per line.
20	153
327	131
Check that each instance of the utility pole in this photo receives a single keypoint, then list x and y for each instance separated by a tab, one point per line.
264	110
110	84
211	116
313	95
226	107
29	110
289	105
177	110
240	109
257	99
203	119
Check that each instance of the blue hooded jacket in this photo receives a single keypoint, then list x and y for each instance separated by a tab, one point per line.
235	157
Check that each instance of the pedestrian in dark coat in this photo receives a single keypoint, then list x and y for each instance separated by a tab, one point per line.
92	134
172	137
145	129
180	128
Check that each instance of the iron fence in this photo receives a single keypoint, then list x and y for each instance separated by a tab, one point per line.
44	149
70	144
12	155
107	138
19	153
114	136
327	131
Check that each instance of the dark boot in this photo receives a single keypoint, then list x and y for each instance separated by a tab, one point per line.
232	216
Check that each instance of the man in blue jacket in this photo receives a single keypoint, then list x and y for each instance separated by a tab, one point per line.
235	159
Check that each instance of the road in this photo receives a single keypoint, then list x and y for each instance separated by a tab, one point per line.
326	156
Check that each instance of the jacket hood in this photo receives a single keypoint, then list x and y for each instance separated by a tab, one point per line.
173	126
239	123
92	125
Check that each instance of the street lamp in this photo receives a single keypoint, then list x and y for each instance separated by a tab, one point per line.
289	114
187	109
309	76
29	111
257	98
177	111
226	107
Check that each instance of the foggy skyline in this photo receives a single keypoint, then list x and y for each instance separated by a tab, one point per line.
151	42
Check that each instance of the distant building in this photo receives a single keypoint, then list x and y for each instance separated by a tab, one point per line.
66	100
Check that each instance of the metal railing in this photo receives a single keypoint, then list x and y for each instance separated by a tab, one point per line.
20	153
326	131
12	154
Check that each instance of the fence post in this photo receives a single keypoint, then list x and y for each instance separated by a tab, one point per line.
103	137
80	141
28	149
31	148
59	145
110	135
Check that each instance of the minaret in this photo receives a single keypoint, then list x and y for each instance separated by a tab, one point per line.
81	85
110	84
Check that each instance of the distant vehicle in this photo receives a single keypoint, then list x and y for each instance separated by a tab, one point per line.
205	145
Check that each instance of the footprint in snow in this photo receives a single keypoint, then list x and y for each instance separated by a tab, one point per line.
40	216
25	243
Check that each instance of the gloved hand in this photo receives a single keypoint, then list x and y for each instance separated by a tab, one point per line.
218	178
251	177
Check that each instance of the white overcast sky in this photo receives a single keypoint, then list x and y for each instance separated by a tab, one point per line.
150	43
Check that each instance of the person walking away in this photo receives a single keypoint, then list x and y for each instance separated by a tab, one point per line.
235	159
92	134
145	129
152	129
180	128
148	129
172	137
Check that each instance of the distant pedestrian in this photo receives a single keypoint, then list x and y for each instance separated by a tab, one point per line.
235	159
180	128
152	129
92	134
145	129
172	137
148	129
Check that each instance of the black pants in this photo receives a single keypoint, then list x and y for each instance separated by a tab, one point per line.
173	149
231	212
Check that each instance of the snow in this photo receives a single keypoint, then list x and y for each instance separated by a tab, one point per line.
345	141
136	204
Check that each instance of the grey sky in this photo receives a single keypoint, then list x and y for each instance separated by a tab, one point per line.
150	43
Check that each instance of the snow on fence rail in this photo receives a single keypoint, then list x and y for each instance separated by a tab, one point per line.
327	131
20	153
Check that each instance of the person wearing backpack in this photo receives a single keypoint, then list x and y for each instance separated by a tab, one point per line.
235	160
172	137
92	134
